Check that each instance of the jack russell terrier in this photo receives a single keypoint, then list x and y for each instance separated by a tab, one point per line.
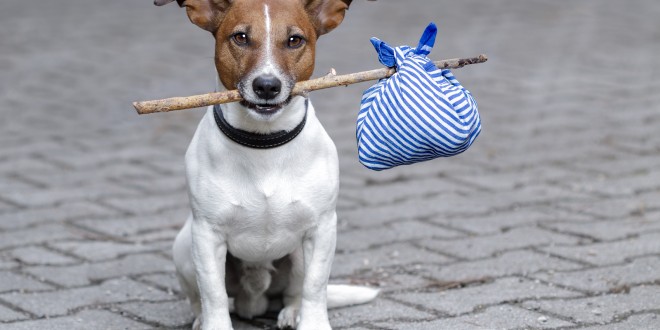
263	174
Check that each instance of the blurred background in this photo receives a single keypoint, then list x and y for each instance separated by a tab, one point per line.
551	219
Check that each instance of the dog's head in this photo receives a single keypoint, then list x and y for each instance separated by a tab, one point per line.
263	47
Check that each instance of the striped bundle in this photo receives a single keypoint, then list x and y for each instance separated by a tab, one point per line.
418	114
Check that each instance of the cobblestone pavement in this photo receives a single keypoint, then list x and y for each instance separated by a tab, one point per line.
551	220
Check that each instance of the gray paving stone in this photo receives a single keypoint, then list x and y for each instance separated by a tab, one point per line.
399	254
403	190
146	205
8	315
381	310
101	250
608	253
602	309
40	234
50	197
167	282
617	208
62	212
509	263
87	273
484	246
123	227
466	300
510	180
390	233
83	320
169	314
611	230
610	278
60	302
643	321
496	317
10	281
505	220
36	255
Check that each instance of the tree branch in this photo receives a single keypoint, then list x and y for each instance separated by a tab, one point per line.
303	87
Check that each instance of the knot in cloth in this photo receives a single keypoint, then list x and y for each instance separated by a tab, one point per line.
419	113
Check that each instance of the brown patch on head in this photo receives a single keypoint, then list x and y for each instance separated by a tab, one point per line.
269	27
250	38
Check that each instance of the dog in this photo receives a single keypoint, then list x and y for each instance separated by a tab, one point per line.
263	174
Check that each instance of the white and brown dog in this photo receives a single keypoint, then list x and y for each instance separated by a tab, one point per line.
262	174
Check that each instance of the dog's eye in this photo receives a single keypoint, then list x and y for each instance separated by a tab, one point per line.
240	38
295	42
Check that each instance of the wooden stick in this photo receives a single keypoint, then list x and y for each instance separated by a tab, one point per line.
303	87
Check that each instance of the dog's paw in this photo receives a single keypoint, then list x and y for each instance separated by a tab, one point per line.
289	317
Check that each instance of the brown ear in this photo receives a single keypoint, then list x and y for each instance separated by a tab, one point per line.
327	14
206	14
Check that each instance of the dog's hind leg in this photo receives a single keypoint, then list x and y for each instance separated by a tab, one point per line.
251	299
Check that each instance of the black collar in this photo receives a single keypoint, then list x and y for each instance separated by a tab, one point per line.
255	140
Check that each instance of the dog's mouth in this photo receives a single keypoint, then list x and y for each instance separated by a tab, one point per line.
265	108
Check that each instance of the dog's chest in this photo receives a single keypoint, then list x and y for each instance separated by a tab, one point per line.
268	217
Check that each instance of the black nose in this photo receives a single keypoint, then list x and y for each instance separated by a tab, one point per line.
267	87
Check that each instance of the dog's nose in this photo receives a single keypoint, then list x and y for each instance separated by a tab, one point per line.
267	87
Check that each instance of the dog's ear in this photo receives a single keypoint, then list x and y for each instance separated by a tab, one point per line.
326	14
207	14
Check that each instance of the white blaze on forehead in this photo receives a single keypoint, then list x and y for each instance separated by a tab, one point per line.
268	65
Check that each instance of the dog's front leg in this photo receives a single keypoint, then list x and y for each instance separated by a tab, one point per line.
209	251
319	250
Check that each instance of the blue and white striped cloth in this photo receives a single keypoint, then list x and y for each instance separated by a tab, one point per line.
418	114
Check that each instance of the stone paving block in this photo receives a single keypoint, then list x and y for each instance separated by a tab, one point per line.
146	205
505	220
122	227
509	180
11	184
157	185
411	209
8	315
101	250
85	159
50	197
26	164
73	178
169	314
87	273
399	254
483	246
620	186
381	310
507	264
389	233
611	230
60	302
643	321
467	300
83	320
40	234
616	208
168	282
496	317
609	278
403	190
608	253
36	255
10	281
62	212
602	309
